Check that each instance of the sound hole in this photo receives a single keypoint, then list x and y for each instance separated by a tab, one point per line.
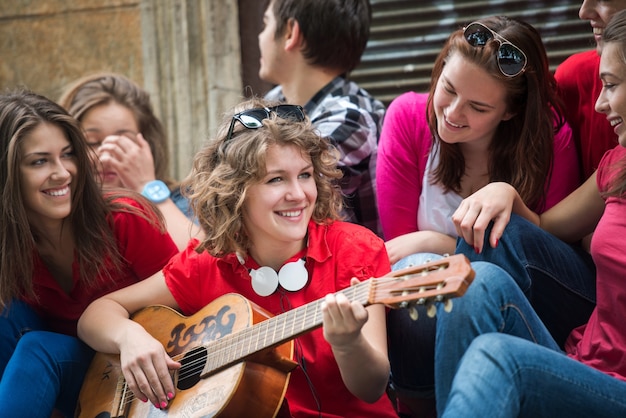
191	368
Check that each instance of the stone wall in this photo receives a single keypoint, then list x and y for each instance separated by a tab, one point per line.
184	52
46	45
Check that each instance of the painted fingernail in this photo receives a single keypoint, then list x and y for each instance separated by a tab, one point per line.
156	405
170	396
476	250
163	404
497	241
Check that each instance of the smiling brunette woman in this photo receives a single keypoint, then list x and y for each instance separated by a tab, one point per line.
495	358
63	245
492	114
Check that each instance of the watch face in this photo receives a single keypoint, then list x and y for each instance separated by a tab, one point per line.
156	191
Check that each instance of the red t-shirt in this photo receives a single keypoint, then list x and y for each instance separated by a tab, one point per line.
336	253
579	85
601	343
144	249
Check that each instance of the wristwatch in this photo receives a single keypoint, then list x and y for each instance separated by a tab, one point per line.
156	191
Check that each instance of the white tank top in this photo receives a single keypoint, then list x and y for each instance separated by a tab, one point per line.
435	206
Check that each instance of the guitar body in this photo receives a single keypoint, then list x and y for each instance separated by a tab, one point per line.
236	357
256	385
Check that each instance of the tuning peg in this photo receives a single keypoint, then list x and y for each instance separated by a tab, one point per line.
447	305
413	313
431	310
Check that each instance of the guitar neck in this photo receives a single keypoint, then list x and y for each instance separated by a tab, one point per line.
434	281
276	330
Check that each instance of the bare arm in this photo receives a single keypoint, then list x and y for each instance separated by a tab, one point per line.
419	242
577	215
106	327
179	226
570	220
358	337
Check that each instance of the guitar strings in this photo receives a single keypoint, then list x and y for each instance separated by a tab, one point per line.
223	347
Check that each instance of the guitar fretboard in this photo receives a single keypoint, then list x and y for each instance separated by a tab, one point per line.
276	330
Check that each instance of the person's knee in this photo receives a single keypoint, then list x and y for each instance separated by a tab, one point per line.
495	349
515	231
488	278
18	318
518	225
491	285
487	344
52	349
415	259
489	275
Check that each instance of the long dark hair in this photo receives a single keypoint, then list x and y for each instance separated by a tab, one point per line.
97	252
522	151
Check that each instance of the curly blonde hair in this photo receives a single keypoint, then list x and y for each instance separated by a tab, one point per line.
224	169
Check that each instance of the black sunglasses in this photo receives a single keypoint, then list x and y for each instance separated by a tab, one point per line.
253	118
511	59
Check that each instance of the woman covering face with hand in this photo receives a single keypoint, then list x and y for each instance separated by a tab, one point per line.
265	193
120	126
64	244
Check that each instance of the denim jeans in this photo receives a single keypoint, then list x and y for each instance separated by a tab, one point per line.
40	370
557	278
495	358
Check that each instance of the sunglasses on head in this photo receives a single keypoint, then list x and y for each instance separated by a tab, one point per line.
511	59
253	118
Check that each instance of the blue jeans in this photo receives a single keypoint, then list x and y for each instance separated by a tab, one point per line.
557	278
39	370
495	358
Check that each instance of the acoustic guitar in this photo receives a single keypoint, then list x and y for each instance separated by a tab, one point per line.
232	347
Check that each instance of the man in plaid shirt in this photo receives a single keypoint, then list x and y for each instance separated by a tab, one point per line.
307	49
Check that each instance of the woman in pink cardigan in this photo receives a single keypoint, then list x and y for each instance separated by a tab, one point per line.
492	114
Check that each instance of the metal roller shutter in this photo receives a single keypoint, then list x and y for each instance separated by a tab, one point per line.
407	35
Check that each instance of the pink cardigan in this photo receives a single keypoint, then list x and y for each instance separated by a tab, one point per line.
403	150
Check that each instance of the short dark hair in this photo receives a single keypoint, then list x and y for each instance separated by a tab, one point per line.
335	31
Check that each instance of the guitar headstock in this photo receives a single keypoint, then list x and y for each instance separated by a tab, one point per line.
435	281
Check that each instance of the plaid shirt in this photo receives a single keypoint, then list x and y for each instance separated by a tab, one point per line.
351	119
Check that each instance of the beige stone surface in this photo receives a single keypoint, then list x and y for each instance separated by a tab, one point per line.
10	8
45	45
185	53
